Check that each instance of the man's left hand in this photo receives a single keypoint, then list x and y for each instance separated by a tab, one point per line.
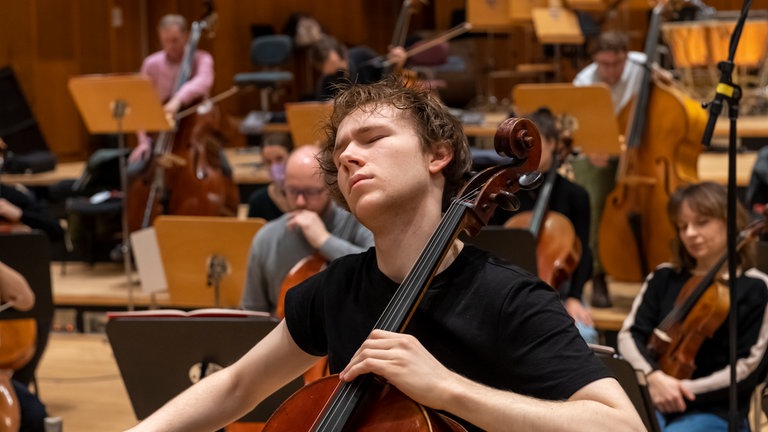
311	226
404	362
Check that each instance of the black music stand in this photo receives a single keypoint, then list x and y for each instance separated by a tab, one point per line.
116	104
159	357
515	245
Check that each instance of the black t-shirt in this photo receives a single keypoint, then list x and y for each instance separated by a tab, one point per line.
712	358
485	319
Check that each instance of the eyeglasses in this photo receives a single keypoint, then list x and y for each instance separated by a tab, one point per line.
307	193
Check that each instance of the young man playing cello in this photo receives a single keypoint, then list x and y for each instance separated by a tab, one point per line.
488	344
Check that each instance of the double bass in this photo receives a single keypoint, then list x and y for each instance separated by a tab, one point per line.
661	154
330	405
183	175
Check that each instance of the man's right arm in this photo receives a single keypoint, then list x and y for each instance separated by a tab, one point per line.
227	395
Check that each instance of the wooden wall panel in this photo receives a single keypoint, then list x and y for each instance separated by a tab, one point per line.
47	41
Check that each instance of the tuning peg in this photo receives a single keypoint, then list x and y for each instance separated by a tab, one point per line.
507	200
530	180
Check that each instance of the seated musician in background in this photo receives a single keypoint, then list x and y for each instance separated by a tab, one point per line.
572	201
700	403
337	64
622	70
270	202
314	224
15	290
162	68
488	344
19	206
201	135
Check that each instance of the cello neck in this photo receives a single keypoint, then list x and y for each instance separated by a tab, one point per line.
542	201
637	126
397	314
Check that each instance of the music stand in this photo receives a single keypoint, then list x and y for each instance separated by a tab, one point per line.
515	245
159	356
205	258
596	129
117	104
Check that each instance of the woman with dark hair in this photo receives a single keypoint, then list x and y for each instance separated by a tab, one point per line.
700	403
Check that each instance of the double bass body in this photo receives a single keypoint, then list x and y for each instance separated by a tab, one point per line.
635	211
188	182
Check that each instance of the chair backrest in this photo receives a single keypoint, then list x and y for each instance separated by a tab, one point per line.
271	50
633	382
305	120
30	255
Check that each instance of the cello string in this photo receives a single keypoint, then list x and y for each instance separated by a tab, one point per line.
343	400
427	255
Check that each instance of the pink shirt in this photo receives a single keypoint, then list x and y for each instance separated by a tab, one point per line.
163	75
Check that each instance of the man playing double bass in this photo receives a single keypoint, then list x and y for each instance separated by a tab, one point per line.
162	68
622	70
489	344
209	189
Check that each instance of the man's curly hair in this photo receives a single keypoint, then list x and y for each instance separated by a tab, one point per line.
432	122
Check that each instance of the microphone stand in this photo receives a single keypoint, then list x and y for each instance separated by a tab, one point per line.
730	93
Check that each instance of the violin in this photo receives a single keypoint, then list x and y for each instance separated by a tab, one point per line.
700	309
368	402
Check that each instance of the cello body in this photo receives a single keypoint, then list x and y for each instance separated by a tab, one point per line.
386	409
558	250
635	211
17	346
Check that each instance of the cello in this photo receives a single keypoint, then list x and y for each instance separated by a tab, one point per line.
558	249
183	175
367	402
660	155
17	347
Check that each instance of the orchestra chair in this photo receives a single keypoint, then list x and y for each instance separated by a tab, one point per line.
305	121
29	253
268	52
632	381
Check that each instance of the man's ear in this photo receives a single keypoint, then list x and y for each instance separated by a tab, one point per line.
441	155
